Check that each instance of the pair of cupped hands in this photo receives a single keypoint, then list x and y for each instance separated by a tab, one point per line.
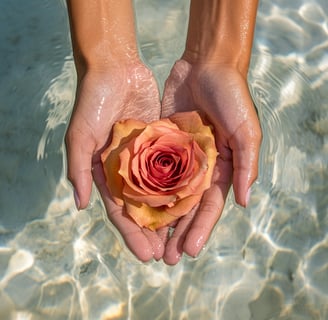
106	95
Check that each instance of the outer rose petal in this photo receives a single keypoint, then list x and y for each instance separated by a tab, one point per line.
191	122
123	132
195	185
146	216
184	206
153	131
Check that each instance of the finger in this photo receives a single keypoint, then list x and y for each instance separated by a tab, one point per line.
134	237
210	209
245	148
156	242
174	246
163	234
79	155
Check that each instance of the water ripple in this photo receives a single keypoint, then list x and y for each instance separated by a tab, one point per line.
264	262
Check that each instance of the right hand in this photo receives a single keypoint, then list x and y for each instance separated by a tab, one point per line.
221	93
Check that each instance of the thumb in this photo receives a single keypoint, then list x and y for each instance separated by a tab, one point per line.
79	162
245	148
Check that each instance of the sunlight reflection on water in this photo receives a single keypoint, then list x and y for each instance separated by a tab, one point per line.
266	262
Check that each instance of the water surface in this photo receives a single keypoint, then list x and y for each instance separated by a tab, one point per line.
266	262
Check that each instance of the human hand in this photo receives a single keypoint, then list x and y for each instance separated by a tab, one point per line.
221	93
104	97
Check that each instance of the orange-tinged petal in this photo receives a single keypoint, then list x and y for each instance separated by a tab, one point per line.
125	170
153	131
146	216
189	122
208	146
114	181
192	122
123	132
195	185
153	200
184	206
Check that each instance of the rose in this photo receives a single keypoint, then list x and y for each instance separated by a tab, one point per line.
159	171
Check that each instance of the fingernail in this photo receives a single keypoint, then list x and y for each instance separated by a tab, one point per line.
77	200
248	196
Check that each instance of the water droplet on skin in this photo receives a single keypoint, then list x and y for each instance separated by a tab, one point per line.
100	107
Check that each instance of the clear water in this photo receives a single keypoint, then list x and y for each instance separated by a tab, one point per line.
267	262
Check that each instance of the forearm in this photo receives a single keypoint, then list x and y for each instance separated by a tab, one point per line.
221	31
102	32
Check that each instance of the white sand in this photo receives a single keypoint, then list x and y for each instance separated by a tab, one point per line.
266	262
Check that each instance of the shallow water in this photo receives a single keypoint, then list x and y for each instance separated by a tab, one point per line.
266	262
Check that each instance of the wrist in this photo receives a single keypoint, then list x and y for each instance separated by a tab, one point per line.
103	32
221	32
126	68
213	57
106	57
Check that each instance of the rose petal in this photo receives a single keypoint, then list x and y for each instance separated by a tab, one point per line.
123	132
182	156
184	206
146	216
152	173
153	200
196	185
191	122
153	131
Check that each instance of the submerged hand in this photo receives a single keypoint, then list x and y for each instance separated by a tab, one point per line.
104	97
220	92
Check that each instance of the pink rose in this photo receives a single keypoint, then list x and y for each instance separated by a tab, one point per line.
159	171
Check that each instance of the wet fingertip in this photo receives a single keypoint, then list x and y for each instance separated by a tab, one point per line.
172	254
248	196
240	199
193	253
158	252
243	201
172	260
194	244
77	200
145	256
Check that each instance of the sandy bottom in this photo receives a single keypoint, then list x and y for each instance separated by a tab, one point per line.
266	262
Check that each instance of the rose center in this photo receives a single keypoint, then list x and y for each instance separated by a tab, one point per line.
164	163
163	168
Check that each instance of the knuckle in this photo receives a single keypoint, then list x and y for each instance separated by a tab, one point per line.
209	207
